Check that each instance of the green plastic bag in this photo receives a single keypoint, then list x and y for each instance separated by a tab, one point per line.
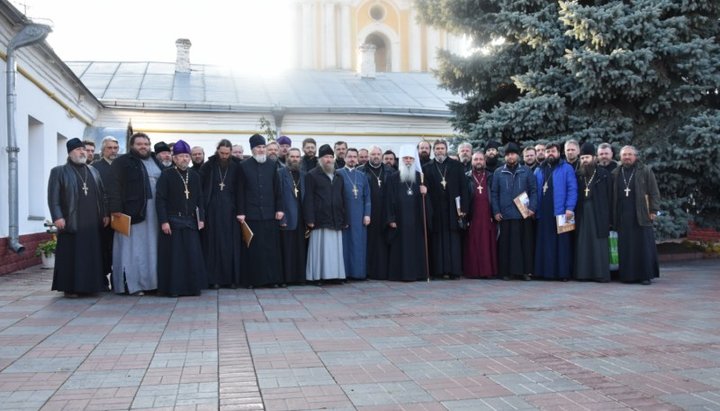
614	258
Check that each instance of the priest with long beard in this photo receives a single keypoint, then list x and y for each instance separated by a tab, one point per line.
78	207
404	216
181	214
259	202
222	238
592	251
325	216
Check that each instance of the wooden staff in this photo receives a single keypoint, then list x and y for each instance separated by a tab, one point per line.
427	260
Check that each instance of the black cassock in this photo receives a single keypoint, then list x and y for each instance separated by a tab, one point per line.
259	198
78	256
404	206
377	232
181	266
221	237
445	241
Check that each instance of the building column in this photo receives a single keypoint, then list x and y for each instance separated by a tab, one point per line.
308	36
433	43
345	38
330	41
415	43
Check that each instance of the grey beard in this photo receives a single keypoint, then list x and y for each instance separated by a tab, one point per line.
328	168
260	158
440	158
79	160
167	163
407	174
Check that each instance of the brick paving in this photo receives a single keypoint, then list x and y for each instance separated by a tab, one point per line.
446	345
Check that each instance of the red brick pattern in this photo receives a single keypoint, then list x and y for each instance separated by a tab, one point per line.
11	261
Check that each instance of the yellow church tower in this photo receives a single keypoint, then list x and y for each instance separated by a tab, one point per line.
341	34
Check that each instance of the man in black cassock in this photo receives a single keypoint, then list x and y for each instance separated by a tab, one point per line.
181	215
635	205
78	207
377	234
292	225
309	160
108	152
221	238
260	207
492	156
445	181
404	218
592	219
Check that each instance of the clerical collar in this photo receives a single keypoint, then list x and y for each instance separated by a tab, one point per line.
371	165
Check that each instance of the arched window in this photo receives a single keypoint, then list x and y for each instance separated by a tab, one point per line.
382	51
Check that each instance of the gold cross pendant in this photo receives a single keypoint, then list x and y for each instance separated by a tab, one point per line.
480	189
627	191
355	191
444	183
587	191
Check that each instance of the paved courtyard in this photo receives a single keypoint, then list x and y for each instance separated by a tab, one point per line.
456	345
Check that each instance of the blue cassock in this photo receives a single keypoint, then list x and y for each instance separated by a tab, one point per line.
357	205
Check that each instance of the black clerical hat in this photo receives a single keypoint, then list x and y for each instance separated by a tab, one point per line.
587	149
256	140
325	150
74	143
161	146
512	148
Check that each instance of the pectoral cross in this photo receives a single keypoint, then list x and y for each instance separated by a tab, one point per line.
444	183
379	182
355	191
545	187
222	186
587	191
627	191
85	188
187	193
296	191
479	189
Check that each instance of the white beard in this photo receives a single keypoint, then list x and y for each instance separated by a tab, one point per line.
167	163
260	158
407	173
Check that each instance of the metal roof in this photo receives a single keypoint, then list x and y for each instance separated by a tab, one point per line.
213	88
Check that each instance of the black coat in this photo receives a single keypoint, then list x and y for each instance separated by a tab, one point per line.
443	199
210	169
600	193
171	201
63	197
308	163
324	205
130	189
103	167
259	194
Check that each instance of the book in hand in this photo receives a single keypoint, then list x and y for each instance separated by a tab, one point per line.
121	223
564	225
522	202
247	233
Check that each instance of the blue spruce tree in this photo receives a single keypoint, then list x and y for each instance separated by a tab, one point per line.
644	72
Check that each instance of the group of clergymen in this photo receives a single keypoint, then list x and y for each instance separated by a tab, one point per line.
345	214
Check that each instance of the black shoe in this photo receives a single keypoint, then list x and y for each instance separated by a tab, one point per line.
526	277
646	282
215	286
506	278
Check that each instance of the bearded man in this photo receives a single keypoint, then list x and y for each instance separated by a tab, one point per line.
592	219
292	225
259	205
132	193
78	207
181	215
221	238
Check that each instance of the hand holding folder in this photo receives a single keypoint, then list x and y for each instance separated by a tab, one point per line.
121	223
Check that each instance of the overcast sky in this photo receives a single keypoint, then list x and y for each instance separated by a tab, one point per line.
249	35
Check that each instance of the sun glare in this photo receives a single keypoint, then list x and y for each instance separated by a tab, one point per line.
248	36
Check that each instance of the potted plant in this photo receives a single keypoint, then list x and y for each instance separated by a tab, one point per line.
46	251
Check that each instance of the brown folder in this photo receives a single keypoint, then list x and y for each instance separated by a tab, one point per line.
247	233
121	223
564	225
522	202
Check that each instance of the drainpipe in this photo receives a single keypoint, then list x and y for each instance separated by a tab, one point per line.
30	34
